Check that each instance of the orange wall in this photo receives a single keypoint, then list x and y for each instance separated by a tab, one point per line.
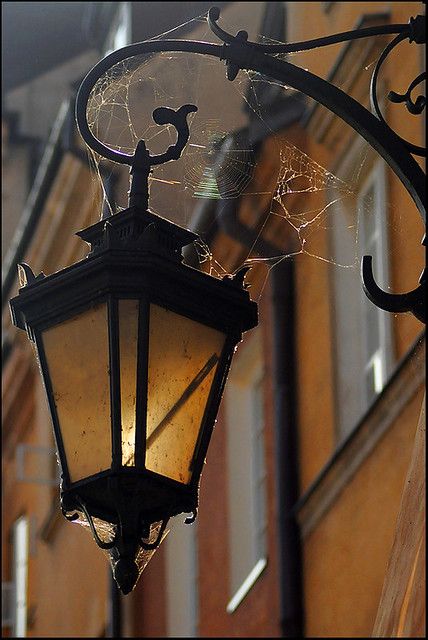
345	555
345	558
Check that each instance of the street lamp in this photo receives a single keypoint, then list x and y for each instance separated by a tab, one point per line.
135	346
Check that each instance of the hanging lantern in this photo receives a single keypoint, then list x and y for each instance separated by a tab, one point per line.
134	348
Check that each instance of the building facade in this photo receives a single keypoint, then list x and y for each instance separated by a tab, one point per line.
314	470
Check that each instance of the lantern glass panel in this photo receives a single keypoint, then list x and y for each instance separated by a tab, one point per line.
128	340
183	359
77	354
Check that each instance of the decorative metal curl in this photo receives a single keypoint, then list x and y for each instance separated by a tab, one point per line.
142	162
149	546
178	119
413	301
413	107
100	543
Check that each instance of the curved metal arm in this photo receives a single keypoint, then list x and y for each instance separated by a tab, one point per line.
344	36
100	543
240	54
162	115
413	301
376	131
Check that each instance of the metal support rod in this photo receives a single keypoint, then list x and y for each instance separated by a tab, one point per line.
115	609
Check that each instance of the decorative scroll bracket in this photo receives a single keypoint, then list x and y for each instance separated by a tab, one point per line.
142	162
413	301
239	53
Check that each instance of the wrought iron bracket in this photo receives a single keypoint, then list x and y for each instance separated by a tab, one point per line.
239	53
142	162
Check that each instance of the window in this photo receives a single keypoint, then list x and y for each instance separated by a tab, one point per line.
376	325
120	32
20	536
181	579
362	332
246	471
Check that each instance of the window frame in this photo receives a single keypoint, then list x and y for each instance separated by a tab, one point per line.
20	574
182	551
376	179
246	374
360	167
119	34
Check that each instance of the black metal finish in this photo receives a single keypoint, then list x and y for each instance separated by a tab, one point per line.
414	301
415	108
394	149
115	610
214	15
142	162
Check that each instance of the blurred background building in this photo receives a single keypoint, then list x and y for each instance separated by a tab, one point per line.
314	469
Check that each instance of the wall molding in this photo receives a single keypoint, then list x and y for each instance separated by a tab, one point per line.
402	386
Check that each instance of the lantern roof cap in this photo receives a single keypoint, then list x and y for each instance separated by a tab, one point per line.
131	225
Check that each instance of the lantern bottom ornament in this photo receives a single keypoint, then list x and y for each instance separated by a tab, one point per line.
127	537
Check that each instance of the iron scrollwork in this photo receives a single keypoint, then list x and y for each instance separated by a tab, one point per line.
239	53
414	31
142	162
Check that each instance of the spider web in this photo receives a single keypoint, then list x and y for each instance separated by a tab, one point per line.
293	207
106	532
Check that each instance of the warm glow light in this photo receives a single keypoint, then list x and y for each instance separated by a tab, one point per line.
77	353
183	359
128	339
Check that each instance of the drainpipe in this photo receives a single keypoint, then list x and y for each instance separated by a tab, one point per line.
286	448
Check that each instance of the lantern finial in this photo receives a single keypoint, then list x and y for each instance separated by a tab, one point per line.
142	162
